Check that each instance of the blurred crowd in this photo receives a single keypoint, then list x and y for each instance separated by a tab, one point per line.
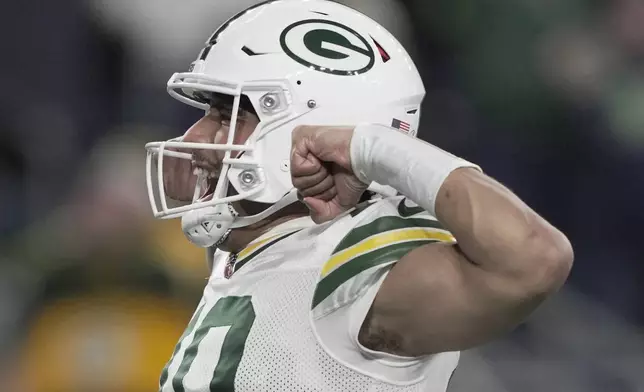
547	96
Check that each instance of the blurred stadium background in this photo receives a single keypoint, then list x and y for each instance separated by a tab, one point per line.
548	96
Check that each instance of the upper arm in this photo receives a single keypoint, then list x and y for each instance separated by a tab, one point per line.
444	297
436	300
351	278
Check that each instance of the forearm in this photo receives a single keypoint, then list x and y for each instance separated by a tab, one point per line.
495	229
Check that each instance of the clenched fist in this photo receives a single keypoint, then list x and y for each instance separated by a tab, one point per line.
321	170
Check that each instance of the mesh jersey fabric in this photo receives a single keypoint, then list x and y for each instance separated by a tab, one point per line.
287	320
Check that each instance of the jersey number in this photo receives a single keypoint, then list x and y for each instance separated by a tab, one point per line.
235	316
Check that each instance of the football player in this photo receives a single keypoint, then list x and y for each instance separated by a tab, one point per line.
311	108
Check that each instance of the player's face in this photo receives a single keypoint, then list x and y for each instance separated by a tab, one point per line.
214	127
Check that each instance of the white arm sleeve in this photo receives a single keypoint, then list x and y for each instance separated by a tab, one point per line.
413	167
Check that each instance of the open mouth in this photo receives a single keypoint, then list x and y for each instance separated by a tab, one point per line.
211	185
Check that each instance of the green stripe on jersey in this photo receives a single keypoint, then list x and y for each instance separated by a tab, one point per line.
362	263
188	331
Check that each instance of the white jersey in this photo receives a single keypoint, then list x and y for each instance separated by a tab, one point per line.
288	318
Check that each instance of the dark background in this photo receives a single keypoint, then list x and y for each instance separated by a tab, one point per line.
547	96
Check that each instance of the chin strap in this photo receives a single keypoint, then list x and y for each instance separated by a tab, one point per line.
208	227
287	200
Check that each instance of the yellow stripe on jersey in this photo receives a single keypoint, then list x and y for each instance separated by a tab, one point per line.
382	240
253	246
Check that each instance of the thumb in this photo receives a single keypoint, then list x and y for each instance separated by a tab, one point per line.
320	210
303	163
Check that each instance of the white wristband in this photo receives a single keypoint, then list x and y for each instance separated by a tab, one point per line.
413	167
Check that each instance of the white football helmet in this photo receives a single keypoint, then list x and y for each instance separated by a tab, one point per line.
297	62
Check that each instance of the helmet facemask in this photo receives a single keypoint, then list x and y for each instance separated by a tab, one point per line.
239	164
241	177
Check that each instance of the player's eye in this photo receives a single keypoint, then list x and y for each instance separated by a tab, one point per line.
224	104
226	112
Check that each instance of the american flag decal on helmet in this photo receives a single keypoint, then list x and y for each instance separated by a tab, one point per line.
401	125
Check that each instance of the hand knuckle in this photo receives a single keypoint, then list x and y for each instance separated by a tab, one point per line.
298	130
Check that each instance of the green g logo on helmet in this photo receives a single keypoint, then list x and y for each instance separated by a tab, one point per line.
328	46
